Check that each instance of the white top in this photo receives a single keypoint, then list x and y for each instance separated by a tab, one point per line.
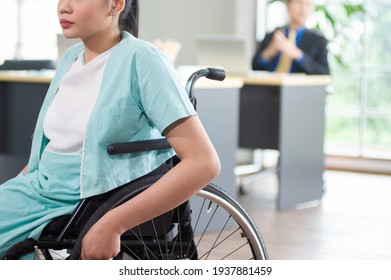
66	119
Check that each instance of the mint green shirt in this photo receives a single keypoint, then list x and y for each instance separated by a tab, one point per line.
140	96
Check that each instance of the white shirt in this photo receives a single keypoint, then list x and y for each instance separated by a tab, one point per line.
66	119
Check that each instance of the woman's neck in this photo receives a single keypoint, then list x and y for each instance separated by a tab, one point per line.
96	45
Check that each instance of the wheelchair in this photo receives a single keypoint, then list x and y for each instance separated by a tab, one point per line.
212	225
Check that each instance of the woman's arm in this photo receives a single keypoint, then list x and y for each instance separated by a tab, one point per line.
198	166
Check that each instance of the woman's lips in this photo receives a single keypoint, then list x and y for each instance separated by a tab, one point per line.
65	23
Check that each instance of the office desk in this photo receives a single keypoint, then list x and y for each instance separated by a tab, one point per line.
286	113
21	96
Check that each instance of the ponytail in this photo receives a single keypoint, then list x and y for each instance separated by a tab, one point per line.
129	18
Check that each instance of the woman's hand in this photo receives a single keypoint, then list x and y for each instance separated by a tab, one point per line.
102	242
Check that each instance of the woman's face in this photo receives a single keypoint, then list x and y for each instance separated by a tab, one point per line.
84	18
299	11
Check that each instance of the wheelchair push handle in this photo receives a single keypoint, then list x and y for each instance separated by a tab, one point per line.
212	73
217	74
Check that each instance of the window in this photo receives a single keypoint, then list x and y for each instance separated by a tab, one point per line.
358	111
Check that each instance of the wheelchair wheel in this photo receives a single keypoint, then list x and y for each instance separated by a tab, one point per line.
223	229
214	227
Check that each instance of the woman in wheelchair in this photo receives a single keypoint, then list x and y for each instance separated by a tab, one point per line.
112	87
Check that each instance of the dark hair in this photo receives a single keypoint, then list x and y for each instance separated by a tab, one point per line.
129	18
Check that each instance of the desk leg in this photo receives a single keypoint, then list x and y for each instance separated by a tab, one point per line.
301	142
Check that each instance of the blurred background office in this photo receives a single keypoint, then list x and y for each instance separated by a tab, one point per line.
358	110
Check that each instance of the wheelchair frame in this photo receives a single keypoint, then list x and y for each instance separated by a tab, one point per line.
173	235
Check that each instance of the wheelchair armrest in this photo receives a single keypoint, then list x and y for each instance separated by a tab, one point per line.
138	146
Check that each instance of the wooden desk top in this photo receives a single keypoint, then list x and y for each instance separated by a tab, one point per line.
42	77
227	83
46	77
268	79
276	79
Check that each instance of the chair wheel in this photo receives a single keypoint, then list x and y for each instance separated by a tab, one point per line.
244	189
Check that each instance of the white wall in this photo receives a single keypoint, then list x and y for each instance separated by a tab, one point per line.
182	20
246	23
